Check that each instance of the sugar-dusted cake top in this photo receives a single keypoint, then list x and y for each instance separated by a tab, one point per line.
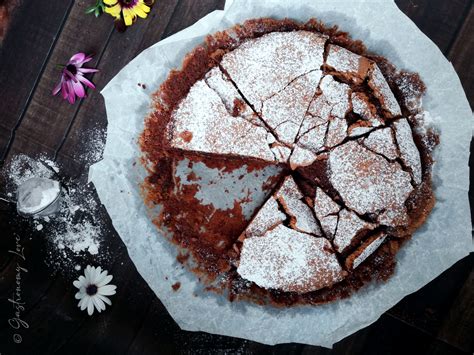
353	177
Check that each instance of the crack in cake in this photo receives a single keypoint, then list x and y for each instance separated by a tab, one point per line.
340	125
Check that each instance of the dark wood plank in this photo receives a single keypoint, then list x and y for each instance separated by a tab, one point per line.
47	117
462	55
458	326
123	48
4	139
137	322
395	337
24	53
438	19
427	308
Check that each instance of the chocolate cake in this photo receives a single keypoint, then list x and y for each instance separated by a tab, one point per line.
343	129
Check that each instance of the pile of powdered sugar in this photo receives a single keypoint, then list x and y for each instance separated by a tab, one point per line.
77	229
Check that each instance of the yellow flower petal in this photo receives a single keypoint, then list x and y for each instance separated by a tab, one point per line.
114	10
143	7
139	12
110	2
128	17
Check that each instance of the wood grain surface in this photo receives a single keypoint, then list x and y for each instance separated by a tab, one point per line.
438	319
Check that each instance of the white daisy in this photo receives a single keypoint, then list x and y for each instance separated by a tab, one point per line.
93	289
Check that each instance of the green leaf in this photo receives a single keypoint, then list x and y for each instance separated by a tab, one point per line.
90	10
97	13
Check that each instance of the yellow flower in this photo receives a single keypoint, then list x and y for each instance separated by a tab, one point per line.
128	10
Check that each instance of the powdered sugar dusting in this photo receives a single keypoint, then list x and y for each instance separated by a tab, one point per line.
383	92
267	217
288	260
324	205
329	225
216	80
337	95
348	63
313	140
292	200
368	249
319	113
76	230
301	157
337	132
285	110
263	66
367	182
349	225
382	142
408	150
202	123
362	107
23	167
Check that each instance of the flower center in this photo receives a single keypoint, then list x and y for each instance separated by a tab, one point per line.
128	3
91	290
72	69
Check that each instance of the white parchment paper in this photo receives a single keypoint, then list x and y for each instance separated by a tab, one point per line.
443	240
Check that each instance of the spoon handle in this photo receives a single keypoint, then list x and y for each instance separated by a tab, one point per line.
6	199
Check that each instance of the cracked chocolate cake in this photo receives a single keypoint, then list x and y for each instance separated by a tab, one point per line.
343	129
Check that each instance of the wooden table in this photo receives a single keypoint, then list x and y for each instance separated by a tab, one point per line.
438	319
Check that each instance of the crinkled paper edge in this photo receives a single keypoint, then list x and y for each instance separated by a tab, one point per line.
431	251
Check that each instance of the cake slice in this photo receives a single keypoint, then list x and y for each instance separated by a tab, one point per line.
288	260
201	123
351	66
366	249
282	247
368	183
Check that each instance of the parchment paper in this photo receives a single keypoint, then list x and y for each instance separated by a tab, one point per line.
443	240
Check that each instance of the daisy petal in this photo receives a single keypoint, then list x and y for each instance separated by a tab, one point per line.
87	272
94	276
98	271
96	303
78	295
105	299
77	58
57	88
83	302
100	278
71	96
105	281
87	70
107	290
64	89
86	82
90	307
77	284
100	304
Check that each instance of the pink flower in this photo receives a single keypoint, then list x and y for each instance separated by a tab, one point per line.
73	80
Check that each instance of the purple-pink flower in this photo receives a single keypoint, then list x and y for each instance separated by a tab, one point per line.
72	78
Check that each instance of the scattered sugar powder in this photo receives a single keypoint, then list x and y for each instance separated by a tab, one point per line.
80	237
95	142
23	167
76	231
